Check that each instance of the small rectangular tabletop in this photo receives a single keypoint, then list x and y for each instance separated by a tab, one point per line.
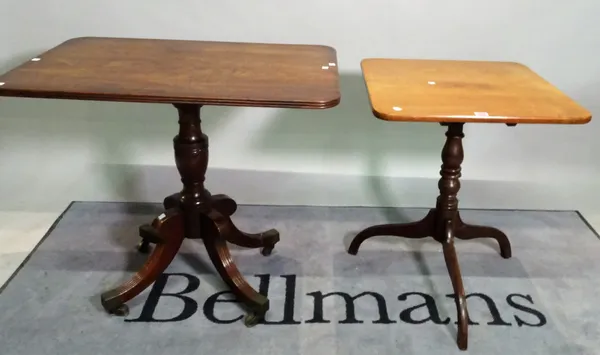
179	71
465	91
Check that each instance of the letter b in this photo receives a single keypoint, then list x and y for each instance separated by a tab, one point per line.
189	305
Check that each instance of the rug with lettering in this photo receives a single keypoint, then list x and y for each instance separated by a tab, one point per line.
394	297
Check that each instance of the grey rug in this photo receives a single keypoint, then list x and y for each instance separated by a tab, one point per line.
394	297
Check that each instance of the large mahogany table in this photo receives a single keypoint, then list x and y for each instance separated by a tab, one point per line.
188	75
453	93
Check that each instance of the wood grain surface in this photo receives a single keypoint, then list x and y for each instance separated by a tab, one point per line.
178	71
465	91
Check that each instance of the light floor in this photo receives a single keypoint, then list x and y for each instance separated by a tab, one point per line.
20	232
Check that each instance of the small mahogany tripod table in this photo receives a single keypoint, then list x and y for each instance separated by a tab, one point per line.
453	93
188	75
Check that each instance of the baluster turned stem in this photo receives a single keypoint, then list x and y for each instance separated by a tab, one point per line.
191	159
449	183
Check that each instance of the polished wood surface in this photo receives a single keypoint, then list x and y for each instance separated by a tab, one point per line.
444	224
195	214
465	91
188	75
178	71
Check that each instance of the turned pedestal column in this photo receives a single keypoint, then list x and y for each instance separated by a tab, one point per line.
444	224
453	93
195	214
188	75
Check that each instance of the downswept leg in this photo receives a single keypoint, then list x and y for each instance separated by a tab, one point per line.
215	230
457	284
170	231
469	231
415	230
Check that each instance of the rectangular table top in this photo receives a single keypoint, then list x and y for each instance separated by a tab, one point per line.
180	71
465	91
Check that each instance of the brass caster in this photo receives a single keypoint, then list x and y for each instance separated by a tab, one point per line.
266	251
121	311
252	319
143	247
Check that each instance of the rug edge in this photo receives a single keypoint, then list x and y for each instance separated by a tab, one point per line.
35	248
352	206
62	214
587	223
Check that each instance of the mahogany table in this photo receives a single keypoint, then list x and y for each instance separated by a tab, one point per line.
453	93
188	75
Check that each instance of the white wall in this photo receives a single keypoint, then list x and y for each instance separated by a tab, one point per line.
52	152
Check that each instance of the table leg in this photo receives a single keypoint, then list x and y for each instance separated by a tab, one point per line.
168	235
227	207
469	231
196	214
444	224
222	203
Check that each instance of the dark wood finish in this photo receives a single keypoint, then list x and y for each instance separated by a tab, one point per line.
187	74
178	71
444	224
227	207
194	213
170	227
465	91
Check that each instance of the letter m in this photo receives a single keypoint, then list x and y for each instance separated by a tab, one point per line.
350	307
